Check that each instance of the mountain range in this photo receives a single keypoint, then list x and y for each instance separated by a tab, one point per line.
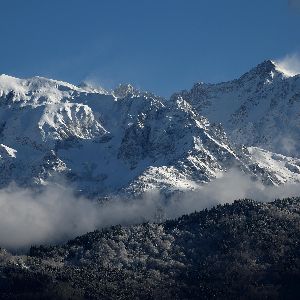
129	141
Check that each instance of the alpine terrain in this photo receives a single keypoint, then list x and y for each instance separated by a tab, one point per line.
119	146
129	141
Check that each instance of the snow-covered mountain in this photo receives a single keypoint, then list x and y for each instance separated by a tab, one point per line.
261	108
132	141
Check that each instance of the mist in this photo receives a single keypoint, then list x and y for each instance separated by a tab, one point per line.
57	215
290	64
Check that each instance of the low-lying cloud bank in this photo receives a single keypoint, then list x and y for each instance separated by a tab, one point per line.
55	215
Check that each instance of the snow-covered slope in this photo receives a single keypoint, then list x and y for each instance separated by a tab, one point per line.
131	141
284	169
261	108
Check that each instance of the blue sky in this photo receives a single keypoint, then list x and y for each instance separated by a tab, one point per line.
158	45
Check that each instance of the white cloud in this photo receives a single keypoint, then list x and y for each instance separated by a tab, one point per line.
56	215
290	64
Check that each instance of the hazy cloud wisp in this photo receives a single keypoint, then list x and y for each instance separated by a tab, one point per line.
290	64
294	5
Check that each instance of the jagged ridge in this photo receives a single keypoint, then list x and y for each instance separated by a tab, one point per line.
131	141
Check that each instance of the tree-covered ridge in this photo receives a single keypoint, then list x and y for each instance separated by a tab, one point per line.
241	250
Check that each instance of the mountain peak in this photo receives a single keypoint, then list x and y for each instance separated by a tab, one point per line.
266	66
264	69
269	66
123	90
267	70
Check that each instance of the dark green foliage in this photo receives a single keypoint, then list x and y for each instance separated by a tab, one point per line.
245	250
